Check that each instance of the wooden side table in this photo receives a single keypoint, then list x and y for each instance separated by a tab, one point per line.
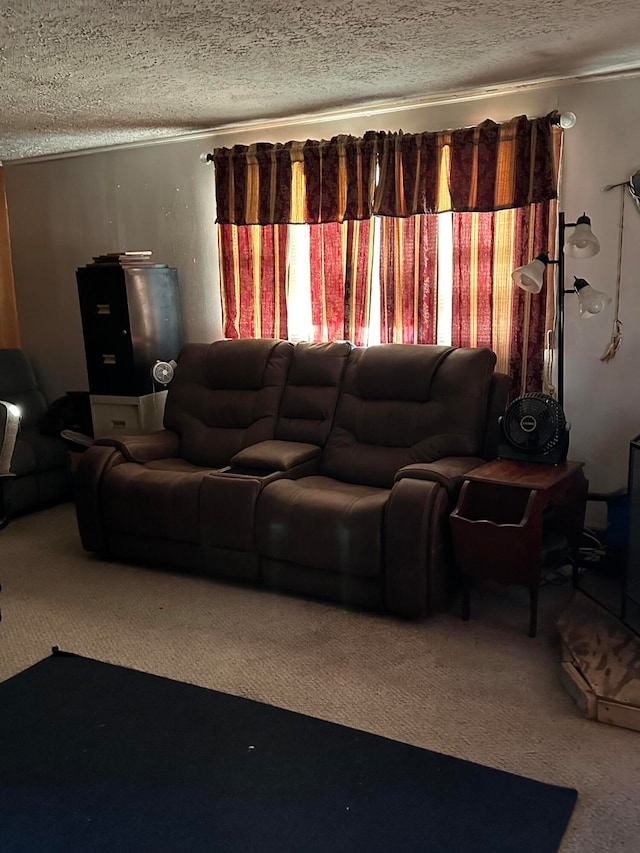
506	512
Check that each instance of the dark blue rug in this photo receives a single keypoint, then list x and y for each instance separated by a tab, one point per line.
96	757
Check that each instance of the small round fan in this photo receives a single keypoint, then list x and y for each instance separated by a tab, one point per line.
534	429
162	372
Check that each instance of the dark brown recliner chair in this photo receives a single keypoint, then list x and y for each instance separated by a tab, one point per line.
9	425
371	526
138	497
40	467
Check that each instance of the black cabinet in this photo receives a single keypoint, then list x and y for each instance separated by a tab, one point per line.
130	319
611	566
631	586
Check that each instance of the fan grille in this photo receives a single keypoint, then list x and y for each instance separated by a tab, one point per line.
534	423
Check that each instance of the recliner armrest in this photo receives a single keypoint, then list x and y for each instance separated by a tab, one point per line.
274	455
144	448
449	471
228	499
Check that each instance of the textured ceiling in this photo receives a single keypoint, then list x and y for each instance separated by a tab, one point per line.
90	73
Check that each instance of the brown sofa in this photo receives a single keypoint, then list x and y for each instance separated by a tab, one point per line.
325	469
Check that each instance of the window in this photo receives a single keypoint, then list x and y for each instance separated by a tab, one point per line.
392	238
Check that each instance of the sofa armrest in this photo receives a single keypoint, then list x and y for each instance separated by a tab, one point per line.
449	471
416	581
144	448
92	466
228	500
419	576
274	455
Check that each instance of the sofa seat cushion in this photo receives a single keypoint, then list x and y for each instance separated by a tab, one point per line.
159	499
324	524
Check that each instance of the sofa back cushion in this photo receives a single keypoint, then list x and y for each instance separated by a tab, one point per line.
405	403
225	396
311	393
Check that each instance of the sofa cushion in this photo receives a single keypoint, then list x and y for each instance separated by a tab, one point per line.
158	500
225	396
407	403
311	393
323	523
398	371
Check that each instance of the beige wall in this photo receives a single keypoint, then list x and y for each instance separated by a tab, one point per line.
160	197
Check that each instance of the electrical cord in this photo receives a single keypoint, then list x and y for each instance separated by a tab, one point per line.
590	555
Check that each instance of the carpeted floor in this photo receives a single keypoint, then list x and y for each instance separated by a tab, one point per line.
483	690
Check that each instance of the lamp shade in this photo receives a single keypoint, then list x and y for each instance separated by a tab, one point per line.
582	242
591	301
531	276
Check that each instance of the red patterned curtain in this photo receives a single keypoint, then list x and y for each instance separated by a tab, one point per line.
341	256
339	181
327	184
253	266
409	279
254	197
487	309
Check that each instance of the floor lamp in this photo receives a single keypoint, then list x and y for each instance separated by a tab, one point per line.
581	243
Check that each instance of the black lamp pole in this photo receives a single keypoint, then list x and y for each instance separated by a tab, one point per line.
561	290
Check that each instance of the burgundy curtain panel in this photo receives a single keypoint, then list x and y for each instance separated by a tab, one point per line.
254	201
253	266
409	279
339	182
327	184
487	309
341	255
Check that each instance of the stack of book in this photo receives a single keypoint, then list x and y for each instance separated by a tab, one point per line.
130	259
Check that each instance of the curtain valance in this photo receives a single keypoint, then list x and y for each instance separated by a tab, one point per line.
254	184
339	178
484	168
478	169
313	181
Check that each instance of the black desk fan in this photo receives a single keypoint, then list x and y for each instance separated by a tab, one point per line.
534	429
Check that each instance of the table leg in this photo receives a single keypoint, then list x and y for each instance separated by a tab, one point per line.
533	610
466	598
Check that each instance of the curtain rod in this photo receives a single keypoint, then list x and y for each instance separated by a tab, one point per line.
565	120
